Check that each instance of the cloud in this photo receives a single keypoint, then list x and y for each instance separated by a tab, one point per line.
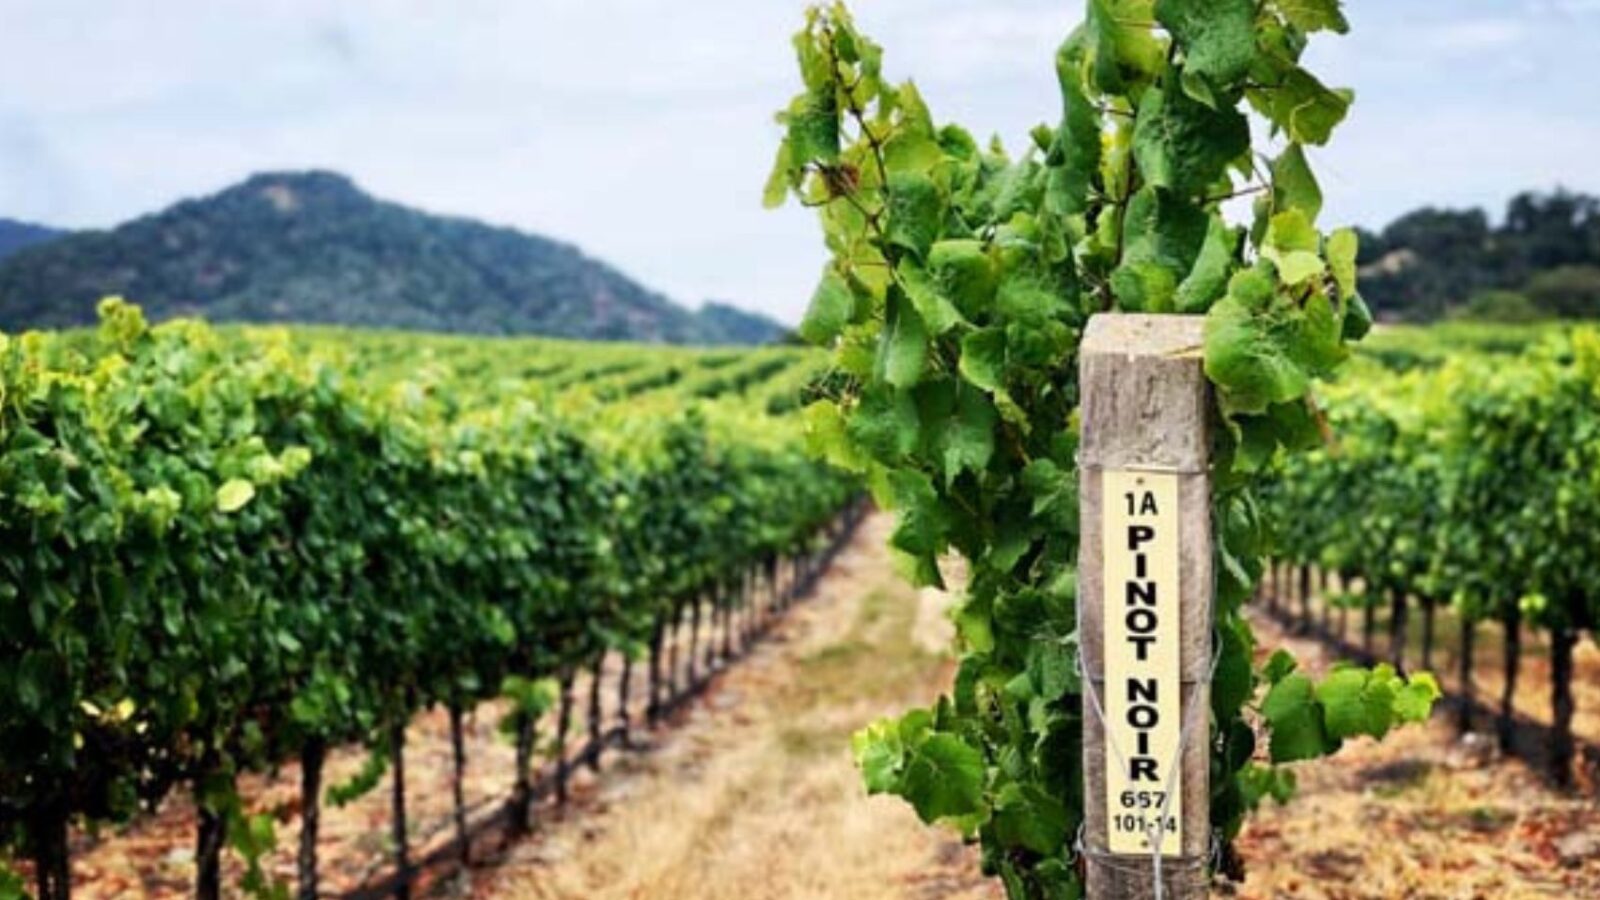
1475	36
642	131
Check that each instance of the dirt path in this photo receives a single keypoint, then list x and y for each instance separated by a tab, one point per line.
755	795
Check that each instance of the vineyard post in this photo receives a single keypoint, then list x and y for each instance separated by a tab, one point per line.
398	825
1505	723
1464	664
563	728
1562	706
458	786
1429	602
694	637
596	726
1145	597
624	682
1307	622
312	755
1323	598
1397	628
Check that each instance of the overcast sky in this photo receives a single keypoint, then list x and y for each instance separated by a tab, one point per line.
641	129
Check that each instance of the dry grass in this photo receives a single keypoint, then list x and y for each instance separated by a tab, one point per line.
756	795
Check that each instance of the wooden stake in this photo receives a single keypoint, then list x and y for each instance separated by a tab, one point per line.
1145	595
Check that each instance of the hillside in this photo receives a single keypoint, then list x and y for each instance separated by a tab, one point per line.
313	247
1540	260
16	235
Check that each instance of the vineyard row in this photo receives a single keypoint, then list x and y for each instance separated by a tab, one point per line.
1473	485
222	551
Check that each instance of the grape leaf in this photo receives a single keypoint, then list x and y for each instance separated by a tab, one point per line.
1293	184
904	346
1184	145
1314	15
944	778
1218	36
1295	719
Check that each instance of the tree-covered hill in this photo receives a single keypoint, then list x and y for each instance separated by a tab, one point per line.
1541	260
16	235
313	247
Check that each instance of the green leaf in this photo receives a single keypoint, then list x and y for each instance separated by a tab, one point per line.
1293	184
234	494
1217	36
1292	244
1144	286
921	526
969	438
1208	278
880	754
944	778
827	438
814	127
1026	816
832	307
904	346
1232	683
1122	51
1075	157
1305	109
983	358
1295	719
912	152
1028	299
1053	490
1357	319
1184	145
885	423
1319	345
1343	246
1356	703
1314	15
1414	702
1246	356
936	311
1162	237
965	273
1279	665
914	211
779	180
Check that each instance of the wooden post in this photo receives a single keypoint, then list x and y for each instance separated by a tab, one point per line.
1145	598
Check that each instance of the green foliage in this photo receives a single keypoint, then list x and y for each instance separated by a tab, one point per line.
221	545
1499	306
1429	262
1453	464
1570	292
960	281
311	247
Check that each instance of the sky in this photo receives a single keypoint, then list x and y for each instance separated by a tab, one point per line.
642	130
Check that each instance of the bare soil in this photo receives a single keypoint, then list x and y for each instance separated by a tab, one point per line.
1421	815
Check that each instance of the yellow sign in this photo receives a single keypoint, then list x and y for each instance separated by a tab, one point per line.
1143	688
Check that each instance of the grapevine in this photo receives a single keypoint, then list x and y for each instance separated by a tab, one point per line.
225	549
1476	481
960	282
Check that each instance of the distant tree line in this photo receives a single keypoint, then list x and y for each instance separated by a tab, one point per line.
1541	261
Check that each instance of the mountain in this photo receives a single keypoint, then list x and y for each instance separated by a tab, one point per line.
16	235
313	247
731	325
